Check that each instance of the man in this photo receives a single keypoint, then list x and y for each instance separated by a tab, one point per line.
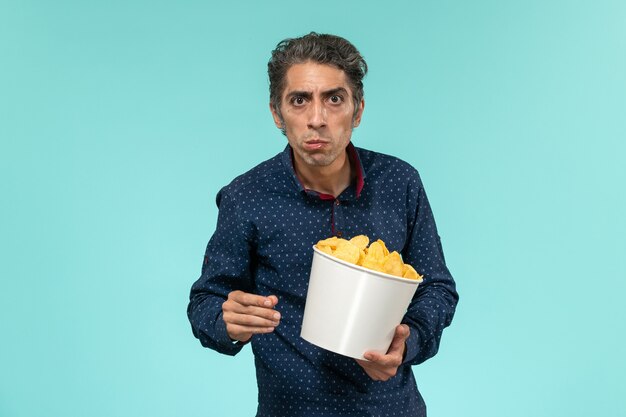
257	263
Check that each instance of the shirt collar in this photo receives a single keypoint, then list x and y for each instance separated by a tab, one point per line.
355	160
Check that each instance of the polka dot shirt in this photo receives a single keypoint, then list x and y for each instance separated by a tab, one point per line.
266	226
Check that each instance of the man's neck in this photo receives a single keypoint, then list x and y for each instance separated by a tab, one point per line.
331	179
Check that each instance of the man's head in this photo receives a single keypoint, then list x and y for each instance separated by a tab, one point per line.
321	49
316	97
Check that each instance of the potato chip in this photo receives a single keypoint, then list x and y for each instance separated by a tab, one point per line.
411	273
331	241
347	251
325	248
393	264
361	257
385	250
374	257
375	251
361	241
372	263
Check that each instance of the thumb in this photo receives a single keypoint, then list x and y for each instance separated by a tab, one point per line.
402	333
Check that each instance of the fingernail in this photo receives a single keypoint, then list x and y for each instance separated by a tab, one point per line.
277	316
267	303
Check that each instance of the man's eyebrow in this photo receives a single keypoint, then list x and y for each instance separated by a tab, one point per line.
335	91
305	94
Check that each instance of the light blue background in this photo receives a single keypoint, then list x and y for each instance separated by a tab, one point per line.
119	122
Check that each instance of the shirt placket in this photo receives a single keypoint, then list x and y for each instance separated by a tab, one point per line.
336	217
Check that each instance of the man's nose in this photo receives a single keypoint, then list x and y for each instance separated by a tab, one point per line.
317	115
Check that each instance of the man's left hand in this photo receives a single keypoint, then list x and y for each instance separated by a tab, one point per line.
381	367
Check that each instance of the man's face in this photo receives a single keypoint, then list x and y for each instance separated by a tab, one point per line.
317	113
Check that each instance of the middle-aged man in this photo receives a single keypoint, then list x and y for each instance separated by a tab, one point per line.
256	268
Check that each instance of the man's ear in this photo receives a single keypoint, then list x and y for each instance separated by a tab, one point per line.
278	121
359	113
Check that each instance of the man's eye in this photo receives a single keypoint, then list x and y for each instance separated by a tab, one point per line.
297	101
336	99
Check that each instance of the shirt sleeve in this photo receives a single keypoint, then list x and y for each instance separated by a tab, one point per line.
435	300
227	267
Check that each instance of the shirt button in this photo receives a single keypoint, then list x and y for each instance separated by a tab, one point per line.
339	234
337	202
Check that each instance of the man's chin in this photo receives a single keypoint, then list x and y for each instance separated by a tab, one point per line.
318	160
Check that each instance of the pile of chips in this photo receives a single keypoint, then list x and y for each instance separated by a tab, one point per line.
376	257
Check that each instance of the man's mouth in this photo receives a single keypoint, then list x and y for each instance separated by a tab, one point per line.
313	144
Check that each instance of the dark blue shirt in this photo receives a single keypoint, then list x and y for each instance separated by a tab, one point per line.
266	227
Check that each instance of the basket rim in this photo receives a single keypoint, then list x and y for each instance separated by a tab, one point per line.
363	269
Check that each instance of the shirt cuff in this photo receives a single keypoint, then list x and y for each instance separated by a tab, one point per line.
412	346
223	338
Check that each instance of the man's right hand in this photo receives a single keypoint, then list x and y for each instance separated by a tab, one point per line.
246	314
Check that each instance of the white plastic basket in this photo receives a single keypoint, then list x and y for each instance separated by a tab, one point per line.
350	309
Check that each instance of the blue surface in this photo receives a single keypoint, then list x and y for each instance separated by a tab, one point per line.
120	121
